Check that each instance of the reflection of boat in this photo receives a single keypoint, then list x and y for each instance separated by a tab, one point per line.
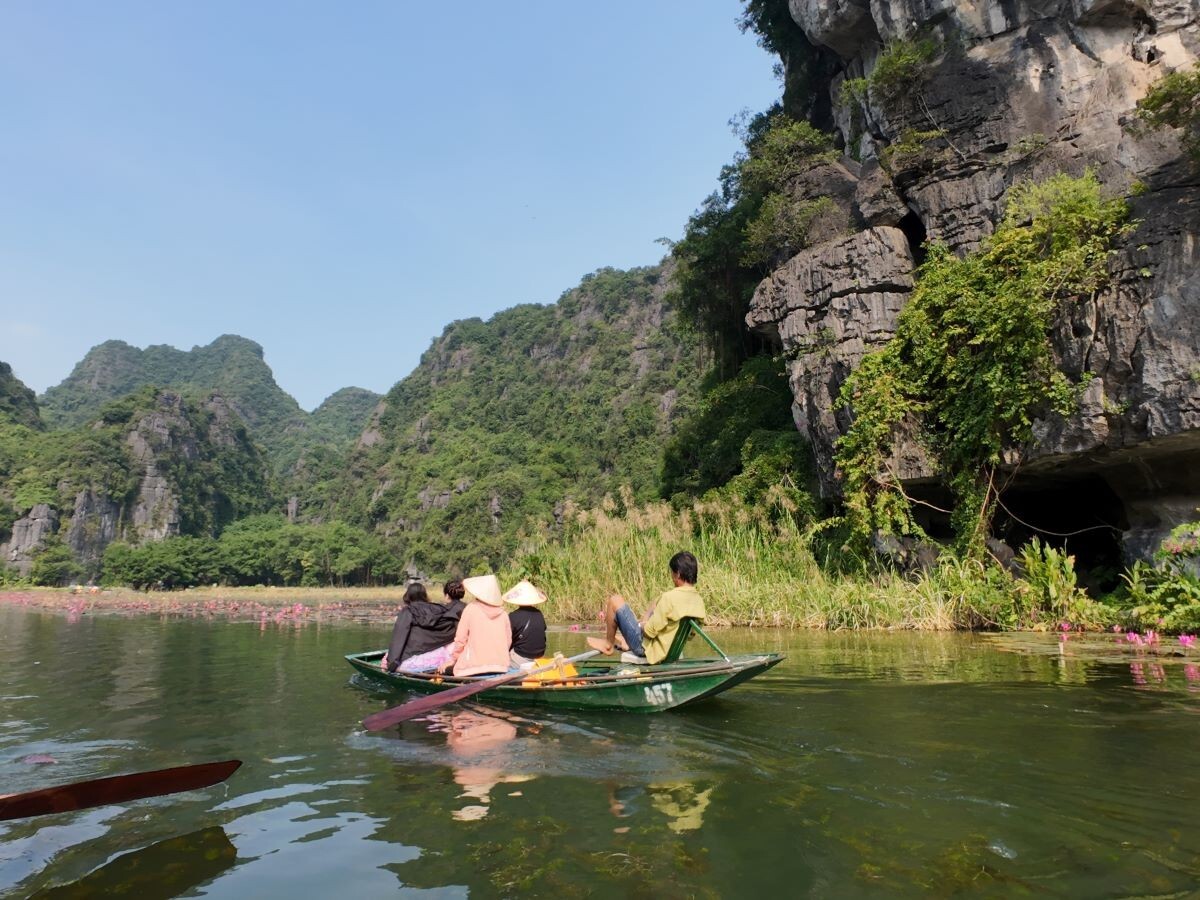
603	684
165	869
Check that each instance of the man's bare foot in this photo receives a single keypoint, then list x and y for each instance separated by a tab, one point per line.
600	644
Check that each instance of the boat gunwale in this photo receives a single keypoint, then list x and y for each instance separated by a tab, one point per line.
731	667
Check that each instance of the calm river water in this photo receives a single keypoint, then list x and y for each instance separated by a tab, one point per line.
863	766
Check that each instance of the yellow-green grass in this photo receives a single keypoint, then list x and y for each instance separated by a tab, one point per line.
756	568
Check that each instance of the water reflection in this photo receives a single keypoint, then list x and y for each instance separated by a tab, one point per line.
473	738
162	870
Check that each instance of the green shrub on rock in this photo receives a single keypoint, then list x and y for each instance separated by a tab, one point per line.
971	366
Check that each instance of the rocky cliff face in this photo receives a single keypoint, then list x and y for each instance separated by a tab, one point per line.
1016	89
154	467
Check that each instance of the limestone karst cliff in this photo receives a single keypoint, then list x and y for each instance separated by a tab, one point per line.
151	466
1013	90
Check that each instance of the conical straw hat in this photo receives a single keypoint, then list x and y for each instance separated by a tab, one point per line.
485	588
524	594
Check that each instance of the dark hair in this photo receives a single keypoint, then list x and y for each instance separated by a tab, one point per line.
453	589
685	566
415	592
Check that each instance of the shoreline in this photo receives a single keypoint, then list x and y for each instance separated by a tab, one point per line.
241	604
274	605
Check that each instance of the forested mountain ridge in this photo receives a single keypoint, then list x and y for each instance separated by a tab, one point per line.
232	366
505	421
500	426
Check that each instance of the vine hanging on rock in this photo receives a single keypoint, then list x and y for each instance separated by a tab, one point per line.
971	365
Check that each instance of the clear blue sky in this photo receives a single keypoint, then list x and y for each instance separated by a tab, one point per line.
341	181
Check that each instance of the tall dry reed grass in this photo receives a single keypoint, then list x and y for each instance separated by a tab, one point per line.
757	567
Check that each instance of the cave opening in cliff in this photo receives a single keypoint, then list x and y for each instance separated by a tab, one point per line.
914	230
1082	516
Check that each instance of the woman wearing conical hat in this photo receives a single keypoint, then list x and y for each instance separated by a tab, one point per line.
483	637
528	624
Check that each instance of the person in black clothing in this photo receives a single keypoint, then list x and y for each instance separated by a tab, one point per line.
528	624
423	626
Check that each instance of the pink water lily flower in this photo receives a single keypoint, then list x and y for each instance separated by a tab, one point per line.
1188	640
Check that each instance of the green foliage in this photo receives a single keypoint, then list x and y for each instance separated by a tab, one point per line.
777	469
201	451
783	152
781	228
1051	588
971	365
506	420
340	419
910	143
1165	595
54	566
1174	102
708	447
758	217
757	567
260	549
902	66
231	367
17	402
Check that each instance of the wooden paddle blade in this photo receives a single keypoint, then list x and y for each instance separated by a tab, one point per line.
117	789
381	720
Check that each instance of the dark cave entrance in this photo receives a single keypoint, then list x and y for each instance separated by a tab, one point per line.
1081	515
914	230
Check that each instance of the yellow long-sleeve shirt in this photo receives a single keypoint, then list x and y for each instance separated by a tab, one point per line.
659	631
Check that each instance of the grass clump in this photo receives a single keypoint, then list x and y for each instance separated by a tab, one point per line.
759	566
1174	102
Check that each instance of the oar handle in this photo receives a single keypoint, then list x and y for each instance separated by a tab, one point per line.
384	718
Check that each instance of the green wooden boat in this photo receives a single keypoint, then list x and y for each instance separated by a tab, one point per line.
604	684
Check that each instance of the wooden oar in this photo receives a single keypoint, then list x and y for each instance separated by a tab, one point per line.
117	789
380	720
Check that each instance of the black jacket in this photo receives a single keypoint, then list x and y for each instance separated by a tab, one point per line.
528	632
421	627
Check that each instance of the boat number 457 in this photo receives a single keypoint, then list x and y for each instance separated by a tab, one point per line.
658	694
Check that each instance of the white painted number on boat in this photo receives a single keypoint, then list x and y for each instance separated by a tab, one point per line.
659	694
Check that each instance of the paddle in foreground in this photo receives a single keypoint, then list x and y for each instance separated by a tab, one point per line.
117	789
381	720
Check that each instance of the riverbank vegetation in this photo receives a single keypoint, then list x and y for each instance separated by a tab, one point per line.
767	563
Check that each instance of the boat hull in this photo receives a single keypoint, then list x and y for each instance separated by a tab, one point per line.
601	686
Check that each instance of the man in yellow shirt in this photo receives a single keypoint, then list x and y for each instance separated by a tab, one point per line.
649	640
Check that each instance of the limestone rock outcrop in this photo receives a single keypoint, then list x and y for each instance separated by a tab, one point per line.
162	466
1017	89
29	535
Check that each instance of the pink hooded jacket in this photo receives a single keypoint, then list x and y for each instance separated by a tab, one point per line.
482	640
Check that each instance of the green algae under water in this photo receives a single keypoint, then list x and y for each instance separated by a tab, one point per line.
866	765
